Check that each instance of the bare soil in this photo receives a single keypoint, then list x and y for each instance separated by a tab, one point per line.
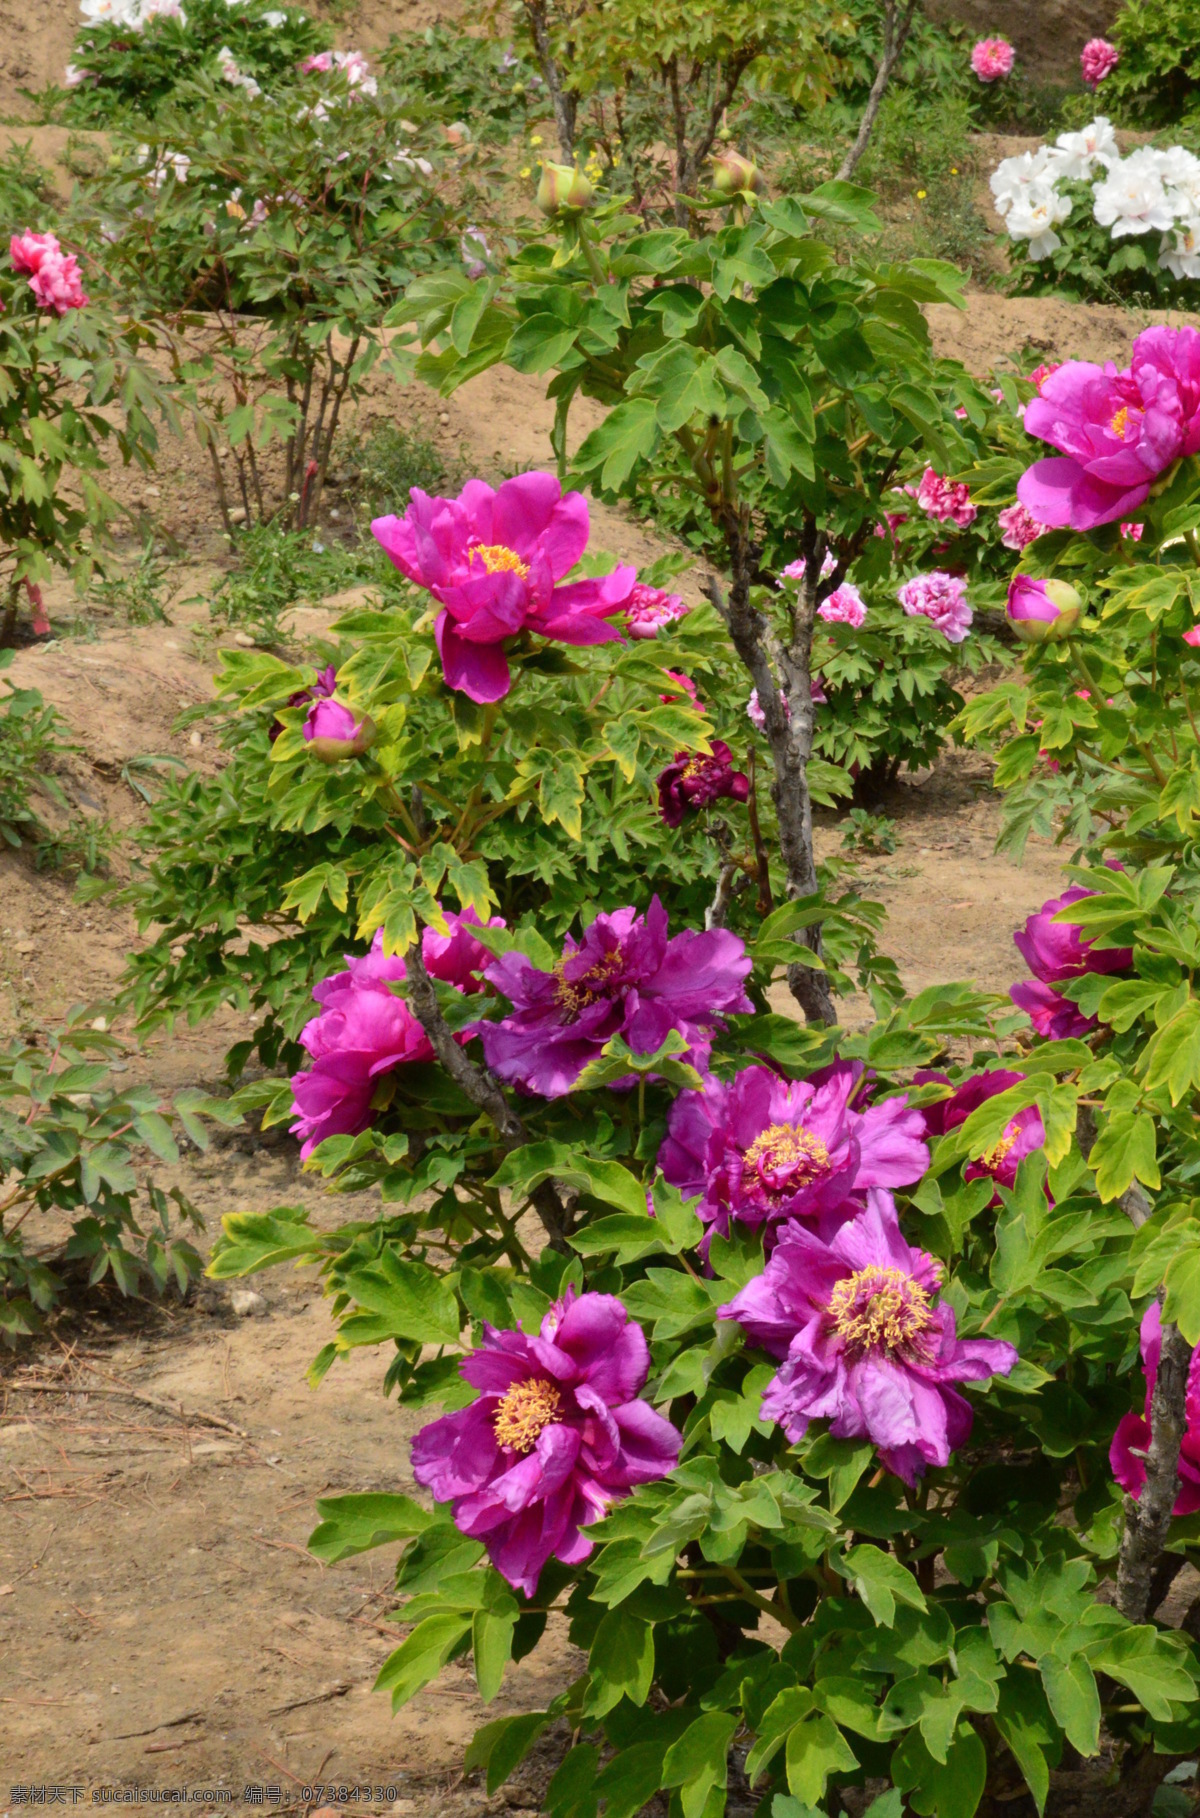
161	1623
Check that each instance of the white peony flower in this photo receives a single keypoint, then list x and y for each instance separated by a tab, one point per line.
1034	217
1133	199
1180	171
109	12
274	20
1081	151
1180	254
1014	177
72	76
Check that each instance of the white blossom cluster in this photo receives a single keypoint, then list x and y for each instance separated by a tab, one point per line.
132	13
1150	191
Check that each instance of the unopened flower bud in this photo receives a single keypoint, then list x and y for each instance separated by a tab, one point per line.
563	189
733	175
1042	612
333	734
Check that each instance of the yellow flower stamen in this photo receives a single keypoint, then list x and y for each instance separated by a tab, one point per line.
524	1411
878	1309
991	1158
787	1149
1120	422
497	558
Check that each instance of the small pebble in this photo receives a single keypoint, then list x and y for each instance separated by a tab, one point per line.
100	1025
244	639
247	1303
238	515
195	740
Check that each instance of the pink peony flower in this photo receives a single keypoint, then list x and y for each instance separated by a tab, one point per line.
795	570
626	978
1041	373
650	609
58	284
948	501
1055	952
1132	1437
1134	532
322	689
1022	1135
361	1034
1117	431
458	958
692	781
759	1149
493	559
1098	59
992	59
845	606
557	1435
758	718
941	598
29	251
1192	637
863	1340
1019	529
690	691
894	519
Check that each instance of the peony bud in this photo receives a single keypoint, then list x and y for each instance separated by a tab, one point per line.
333	734
563	190
732	174
1042	612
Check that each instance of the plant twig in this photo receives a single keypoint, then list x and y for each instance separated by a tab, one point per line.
894	39
1148	1518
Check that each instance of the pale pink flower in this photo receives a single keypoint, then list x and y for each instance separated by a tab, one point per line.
651	609
57	283
795	570
992	59
1020	529
1132	531
28	251
845	606
942	599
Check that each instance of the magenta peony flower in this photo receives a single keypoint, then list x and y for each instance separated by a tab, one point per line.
1098	59
557	1434
361	1034
754	709
761	1149
992	59
692	781
494	560
29	251
1055	952
457	958
1117	431
1041	373
690	691
650	609
1022	1135
863	1341
57	283
1019	529
1042	611
941	598
1192	637
626	978
332	732
845	606
320	690
949	501
1132	1436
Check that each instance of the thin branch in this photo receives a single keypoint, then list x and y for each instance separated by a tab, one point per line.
1148	1518
482	1089
893	43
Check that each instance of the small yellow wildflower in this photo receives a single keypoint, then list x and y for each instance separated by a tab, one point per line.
527	171
920	195
954	170
535	139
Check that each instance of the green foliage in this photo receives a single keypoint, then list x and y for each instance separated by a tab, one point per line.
379	472
1157	81
25	192
275	569
139	70
456	76
32	736
73	1153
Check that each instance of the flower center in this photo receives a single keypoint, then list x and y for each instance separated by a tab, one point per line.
497	558
878	1309
784	1154
991	1158
524	1411
575	994
1120	422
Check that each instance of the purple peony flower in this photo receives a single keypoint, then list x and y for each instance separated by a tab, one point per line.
1022	1135
362	1033
557	1434
457	958
942	599
692	781
863	1341
1042	612
1132	1437
649	610
332	732
1117	431
626	978
1055	952
761	1149
494	560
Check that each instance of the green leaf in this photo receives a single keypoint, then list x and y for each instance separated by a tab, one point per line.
409	1299
501	1747
524	1169
621	1662
1173	1056
699	1760
881	1581
816	1748
355	1524
422	1656
951	1789
491	1643
1150	1664
1071	1689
